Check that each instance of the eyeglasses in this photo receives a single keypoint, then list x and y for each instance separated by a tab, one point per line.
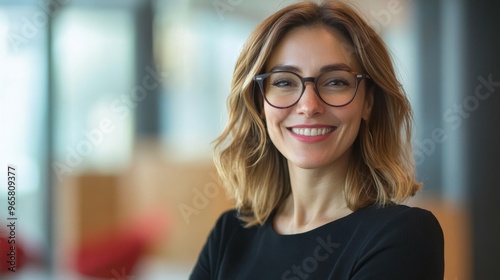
283	89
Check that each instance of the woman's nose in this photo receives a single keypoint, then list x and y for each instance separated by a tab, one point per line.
310	104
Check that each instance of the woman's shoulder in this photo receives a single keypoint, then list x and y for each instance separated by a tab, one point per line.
228	221
400	220
228	216
410	237
396	213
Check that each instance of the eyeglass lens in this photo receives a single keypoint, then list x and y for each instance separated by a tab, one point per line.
336	88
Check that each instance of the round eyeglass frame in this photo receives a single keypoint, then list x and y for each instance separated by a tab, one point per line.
259	79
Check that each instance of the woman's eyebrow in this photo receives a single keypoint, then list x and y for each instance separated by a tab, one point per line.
284	67
325	68
336	66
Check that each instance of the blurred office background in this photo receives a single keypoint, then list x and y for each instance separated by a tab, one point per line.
108	110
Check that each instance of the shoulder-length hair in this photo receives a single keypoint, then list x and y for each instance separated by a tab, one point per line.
381	170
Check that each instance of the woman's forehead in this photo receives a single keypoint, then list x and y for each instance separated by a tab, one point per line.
309	48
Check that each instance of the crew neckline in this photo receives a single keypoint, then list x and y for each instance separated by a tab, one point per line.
270	224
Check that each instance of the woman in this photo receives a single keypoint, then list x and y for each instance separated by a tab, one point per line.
317	156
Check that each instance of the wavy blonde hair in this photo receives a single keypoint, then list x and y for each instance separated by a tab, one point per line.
254	172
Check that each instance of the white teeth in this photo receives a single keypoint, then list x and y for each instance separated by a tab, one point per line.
312	131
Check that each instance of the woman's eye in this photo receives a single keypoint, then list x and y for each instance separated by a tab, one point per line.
282	83
337	83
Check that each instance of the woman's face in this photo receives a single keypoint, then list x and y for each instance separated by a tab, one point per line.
307	50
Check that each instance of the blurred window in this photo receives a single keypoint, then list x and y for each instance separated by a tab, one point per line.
22	115
94	69
198	49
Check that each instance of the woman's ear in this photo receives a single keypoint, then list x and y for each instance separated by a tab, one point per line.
368	105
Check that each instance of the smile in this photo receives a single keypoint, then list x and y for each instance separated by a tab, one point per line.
312	131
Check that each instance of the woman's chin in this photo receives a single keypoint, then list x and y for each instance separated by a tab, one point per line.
308	163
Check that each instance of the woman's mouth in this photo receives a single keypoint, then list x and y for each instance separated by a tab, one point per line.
312	131
311	134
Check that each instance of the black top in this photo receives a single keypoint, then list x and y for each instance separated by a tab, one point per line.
396	242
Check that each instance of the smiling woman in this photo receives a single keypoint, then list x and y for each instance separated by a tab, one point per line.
329	104
317	155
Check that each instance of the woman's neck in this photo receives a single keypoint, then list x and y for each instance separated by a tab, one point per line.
317	198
